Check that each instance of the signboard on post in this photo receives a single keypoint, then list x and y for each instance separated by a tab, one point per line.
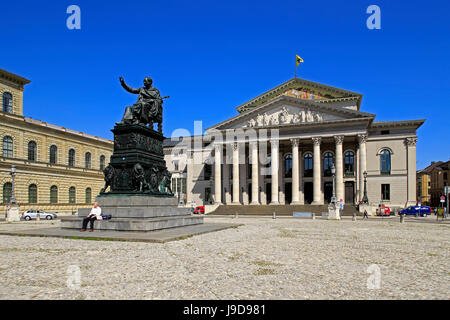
442	199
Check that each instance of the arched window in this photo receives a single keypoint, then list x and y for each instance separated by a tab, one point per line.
7	102
288	165
53	194
327	164
72	195
88	195
349	163
7	147
71	158
32	151
87	158
385	161
102	162
32	193
308	165
53	154
7	192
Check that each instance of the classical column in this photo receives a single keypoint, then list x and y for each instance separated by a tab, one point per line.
189	177
255	172
339	168
236	173
274	169
295	172
362	138
217	173
411	169
317	176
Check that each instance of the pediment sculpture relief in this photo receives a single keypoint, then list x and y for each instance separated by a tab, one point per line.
285	117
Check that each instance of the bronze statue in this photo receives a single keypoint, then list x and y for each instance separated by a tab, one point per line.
164	186
109	175
139	178
147	109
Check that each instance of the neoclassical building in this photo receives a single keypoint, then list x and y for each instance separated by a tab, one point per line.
282	145
57	169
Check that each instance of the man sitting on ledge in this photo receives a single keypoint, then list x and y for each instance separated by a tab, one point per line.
95	214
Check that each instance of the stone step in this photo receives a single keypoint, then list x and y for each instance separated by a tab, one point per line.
282	210
139	212
128	224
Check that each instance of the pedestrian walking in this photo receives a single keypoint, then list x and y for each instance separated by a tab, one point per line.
366	216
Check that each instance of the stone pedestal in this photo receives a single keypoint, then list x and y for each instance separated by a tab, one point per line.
333	212
139	196
12	213
136	213
371	210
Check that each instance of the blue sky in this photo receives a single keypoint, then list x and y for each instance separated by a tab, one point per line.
211	56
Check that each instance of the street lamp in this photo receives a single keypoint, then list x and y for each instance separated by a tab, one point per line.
365	199
13	193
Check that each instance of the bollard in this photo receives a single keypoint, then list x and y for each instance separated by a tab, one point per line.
38	217
402	218
354	216
274	216
236	215
314	216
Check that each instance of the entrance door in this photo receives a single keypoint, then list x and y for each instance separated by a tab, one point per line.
349	192
249	192
288	192
308	192
327	191
269	192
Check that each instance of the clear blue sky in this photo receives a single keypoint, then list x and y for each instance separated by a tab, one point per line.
211	56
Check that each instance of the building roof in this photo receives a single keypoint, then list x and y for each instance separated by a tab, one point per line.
13	77
331	94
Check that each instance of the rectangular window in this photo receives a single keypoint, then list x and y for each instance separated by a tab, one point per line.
386	192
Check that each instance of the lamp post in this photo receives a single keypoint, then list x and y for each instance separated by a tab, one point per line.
12	210
13	192
333	172
365	199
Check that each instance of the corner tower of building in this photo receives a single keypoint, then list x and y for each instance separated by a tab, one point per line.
11	92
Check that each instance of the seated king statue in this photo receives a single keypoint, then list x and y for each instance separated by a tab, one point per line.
148	108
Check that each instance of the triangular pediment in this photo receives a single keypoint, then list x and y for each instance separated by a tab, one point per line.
303	90
290	111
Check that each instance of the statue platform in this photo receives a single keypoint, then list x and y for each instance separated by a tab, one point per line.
136	213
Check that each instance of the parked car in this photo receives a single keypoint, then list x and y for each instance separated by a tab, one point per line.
32	214
417	211
199	209
383	211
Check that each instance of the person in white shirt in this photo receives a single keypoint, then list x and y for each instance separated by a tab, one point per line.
95	214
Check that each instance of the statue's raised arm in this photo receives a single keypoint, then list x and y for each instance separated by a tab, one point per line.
127	87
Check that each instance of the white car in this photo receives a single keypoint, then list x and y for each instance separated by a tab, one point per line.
32	214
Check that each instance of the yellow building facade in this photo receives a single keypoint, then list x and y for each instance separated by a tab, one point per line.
57	169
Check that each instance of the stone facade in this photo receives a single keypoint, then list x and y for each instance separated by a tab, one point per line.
31	155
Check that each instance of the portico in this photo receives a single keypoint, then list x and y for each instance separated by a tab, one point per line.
288	171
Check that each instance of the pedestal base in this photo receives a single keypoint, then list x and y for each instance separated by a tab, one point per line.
12	213
333	212
136	213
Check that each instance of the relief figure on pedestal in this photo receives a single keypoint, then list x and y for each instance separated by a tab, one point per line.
109	176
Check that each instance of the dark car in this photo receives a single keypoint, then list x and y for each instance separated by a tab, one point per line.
416	211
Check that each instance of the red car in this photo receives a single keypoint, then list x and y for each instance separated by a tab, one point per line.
199	209
383	211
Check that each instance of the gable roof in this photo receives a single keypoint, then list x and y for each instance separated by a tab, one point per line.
309	103
331	94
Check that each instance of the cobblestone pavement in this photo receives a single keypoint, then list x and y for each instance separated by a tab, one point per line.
285	258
